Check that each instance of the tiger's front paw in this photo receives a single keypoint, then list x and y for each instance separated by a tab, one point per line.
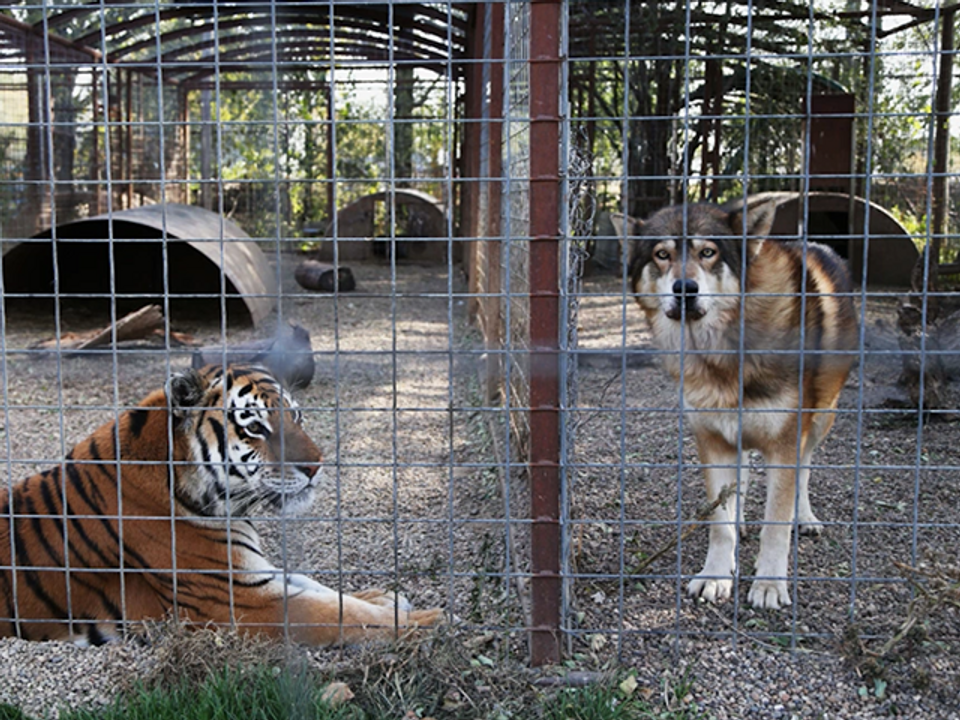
384	598
424	618
418	625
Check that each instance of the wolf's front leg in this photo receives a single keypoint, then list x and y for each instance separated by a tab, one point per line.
808	522
770	589
715	581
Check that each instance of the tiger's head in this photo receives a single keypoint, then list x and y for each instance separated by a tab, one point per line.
241	434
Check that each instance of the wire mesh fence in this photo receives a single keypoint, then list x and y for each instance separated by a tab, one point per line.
685	104
486	325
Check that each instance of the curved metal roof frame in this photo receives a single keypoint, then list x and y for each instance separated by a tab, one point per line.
354	31
287	55
414	33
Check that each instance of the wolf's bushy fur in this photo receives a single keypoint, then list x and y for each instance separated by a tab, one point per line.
762	333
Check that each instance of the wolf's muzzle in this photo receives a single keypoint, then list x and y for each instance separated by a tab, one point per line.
686	296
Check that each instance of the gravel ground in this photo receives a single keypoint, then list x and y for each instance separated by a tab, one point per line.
409	499
412	500
900	504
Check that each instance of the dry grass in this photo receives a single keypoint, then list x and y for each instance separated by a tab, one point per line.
189	656
445	675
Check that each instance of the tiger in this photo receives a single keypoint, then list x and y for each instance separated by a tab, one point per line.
150	518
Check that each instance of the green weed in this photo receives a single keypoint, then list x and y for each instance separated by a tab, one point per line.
613	702
257	694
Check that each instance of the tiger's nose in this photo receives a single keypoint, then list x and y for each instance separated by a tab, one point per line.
311	470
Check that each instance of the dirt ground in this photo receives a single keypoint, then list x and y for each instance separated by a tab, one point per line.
412	497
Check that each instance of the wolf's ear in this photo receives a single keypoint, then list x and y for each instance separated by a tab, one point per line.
185	392
756	217
629	225
621	222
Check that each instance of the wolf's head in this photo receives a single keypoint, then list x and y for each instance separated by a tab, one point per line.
686	261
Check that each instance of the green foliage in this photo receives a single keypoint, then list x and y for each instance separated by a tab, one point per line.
618	702
265	694
593	703
260	694
916	226
8	712
272	154
692	115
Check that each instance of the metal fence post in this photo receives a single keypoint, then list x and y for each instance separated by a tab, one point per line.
544	330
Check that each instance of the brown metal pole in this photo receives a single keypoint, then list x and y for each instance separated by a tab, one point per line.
183	97
492	281
941	140
128	134
331	168
470	159
95	150
545	330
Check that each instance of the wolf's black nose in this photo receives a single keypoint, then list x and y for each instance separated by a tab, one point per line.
685	287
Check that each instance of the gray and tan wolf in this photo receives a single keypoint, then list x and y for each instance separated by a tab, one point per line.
747	322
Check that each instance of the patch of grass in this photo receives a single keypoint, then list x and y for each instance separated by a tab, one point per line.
590	703
257	694
218	674
617	702
8	712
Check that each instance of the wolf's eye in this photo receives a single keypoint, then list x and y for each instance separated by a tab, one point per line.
662	254
707	253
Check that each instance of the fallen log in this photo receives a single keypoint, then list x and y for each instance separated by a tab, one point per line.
314	275
134	326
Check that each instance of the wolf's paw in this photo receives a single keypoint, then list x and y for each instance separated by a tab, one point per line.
811	527
710	588
769	594
385	598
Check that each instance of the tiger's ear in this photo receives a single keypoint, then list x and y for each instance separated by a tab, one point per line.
756	217
185	392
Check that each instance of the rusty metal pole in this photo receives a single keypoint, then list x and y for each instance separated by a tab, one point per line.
941	140
492	282
331	152
470	160
545	330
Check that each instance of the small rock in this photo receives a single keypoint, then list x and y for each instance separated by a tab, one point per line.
336	694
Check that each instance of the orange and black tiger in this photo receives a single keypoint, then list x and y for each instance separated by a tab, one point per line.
147	518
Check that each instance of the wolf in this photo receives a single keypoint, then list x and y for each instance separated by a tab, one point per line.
761	334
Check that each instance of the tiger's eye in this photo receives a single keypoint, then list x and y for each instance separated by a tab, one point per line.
256	428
